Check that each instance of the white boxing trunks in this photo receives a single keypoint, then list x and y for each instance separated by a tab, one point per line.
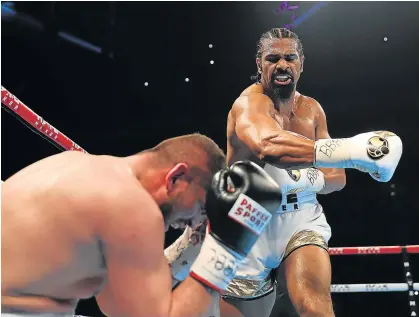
300	221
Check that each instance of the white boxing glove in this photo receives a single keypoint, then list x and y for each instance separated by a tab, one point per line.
295	181
377	153
183	252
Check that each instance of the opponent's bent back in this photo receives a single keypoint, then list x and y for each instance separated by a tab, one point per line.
51	212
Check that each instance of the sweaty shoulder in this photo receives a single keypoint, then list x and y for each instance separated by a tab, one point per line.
314	106
252	99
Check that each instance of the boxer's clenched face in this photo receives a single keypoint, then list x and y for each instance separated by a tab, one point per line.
280	66
185	199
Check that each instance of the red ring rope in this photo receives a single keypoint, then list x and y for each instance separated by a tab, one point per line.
36	122
374	250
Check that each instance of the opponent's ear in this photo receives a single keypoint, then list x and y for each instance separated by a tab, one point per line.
179	171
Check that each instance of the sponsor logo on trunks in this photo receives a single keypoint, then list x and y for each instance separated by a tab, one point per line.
378	145
312	175
330	146
250	214
294	174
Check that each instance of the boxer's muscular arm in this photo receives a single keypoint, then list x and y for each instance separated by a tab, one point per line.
139	279
335	179
256	128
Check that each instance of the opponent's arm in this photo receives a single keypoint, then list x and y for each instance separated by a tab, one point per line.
335	178
139	278
257	129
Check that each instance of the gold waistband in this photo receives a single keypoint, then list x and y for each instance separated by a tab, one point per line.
248	289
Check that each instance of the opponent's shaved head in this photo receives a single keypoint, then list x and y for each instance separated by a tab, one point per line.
200	153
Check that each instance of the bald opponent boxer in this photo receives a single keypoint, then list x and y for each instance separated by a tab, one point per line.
286	133
75	225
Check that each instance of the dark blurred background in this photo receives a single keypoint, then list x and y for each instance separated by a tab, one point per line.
82	66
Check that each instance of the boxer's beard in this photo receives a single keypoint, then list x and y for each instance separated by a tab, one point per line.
283	92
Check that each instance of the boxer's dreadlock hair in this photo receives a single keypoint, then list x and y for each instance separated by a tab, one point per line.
267	37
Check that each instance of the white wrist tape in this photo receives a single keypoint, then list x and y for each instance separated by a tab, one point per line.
332	153
216	265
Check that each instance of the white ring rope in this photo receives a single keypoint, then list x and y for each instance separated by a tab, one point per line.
30	118
366	288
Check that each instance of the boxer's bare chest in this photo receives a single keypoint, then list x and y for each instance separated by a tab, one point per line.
301	120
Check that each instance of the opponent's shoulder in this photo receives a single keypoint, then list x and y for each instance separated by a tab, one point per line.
129	207
113	192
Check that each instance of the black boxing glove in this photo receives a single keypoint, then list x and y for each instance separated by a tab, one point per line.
237	217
